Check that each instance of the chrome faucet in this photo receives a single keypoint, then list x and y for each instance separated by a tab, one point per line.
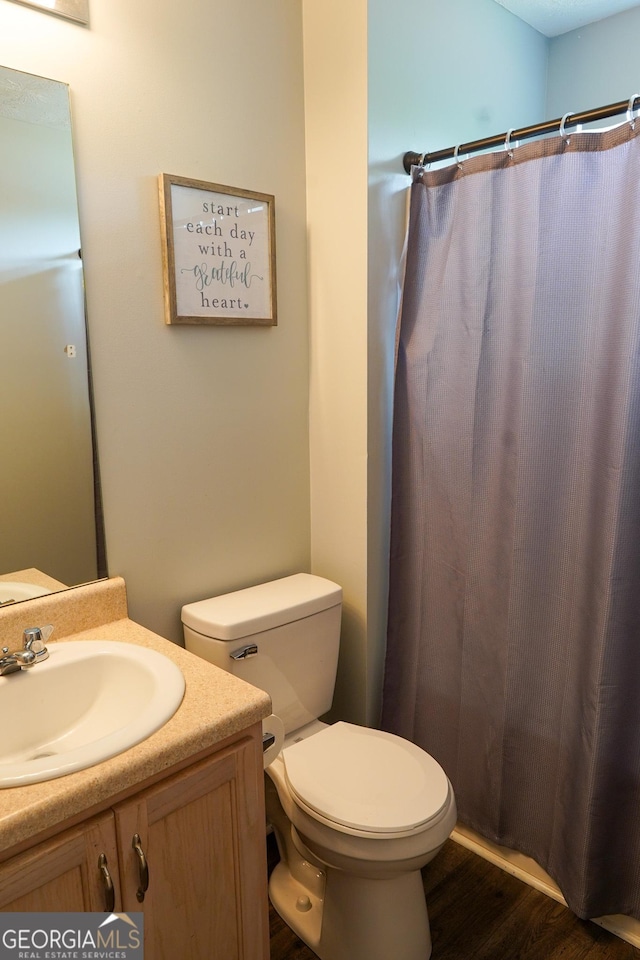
33	651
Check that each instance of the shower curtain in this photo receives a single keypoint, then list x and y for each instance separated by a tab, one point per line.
514	614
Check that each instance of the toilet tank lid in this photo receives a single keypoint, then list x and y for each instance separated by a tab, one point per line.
266	605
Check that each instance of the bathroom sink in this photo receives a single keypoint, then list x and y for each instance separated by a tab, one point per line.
14	590
91	700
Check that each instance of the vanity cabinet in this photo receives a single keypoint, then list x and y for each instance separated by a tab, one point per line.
188	851
61	874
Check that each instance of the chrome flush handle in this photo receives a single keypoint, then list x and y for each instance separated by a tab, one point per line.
243	653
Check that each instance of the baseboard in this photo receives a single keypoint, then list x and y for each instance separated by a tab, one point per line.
527	870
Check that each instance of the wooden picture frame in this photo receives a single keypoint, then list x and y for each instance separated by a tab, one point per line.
218	251
76	10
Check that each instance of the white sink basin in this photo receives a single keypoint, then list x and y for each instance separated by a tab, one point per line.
14	590
91	700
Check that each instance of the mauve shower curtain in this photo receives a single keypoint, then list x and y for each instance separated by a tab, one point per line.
514	616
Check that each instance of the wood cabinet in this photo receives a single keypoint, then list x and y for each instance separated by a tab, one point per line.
63	873
188	851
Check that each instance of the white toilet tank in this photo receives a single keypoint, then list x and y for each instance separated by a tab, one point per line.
281	636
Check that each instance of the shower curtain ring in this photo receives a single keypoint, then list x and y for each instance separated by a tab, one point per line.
507	143
563	123
456	156
630	110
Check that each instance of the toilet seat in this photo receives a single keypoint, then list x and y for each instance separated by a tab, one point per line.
365	781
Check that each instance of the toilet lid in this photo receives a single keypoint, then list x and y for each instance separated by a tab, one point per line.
366	779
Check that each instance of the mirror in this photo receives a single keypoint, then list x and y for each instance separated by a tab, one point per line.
51	533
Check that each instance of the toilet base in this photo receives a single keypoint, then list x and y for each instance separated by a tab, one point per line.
339	913
359	919
300	908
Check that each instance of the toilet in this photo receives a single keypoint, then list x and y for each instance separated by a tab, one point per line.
356	812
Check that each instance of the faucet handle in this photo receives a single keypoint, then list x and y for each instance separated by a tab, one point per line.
35	638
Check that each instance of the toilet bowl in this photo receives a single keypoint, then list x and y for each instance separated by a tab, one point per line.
361	828
356	812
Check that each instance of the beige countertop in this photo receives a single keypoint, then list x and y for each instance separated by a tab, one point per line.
215	706
35	576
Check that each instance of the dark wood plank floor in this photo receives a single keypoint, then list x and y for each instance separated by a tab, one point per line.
479	912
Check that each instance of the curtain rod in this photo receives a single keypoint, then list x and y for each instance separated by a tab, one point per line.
525	133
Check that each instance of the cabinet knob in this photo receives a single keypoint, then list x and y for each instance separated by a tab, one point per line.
143	867
109	890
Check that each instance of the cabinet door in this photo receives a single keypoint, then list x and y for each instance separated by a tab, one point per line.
202	833
65	873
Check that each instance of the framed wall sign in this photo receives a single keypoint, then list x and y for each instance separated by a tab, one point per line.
218	253
77	10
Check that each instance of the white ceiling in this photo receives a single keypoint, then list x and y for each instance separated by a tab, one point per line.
553	17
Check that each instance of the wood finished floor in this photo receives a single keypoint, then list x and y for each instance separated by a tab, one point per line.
479	912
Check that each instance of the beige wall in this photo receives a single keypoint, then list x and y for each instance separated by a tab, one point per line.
208	438
335	56
203	433
379	77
